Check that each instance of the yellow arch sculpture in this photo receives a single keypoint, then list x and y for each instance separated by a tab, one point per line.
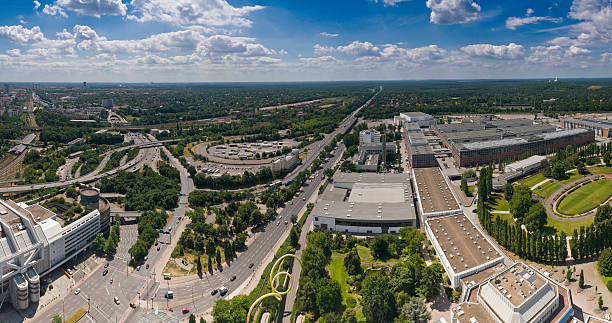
273	277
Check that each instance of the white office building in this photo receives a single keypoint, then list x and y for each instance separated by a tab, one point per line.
33	243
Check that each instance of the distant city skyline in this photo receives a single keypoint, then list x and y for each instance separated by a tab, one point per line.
275	40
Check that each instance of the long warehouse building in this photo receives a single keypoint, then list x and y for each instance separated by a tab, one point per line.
366	204
601	127
481	141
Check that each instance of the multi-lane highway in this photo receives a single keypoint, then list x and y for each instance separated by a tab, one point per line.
192	292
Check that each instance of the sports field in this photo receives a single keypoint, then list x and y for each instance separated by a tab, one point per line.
587	197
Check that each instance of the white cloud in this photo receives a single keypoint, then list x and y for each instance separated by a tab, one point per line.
390	2
545	54
14	52
36	5
359	49
54	10
510	51
95	8
576	51
606	57
448	12
192	12
417	55
513	22
326	34
595	24
21	35
322	50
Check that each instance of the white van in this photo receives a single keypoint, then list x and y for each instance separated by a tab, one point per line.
169	294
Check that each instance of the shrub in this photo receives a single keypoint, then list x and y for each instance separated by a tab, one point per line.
604	263
609	285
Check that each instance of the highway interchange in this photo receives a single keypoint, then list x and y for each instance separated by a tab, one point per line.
130	285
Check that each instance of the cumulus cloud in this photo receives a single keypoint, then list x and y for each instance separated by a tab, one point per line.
359	49
513	22
417	55
576	51
510	51
54	10
95	8
322	50
606	57
21	35
326	34
36	5
192	12
545	54
595	24
449	12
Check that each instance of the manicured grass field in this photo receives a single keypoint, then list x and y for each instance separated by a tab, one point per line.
532	180
568	227
600	170
572	177
546	189
338	273
499	203
586	197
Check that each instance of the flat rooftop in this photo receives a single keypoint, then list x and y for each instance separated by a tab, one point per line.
434	193
39	213
380	193
518	283
597	123
421	150
371	178
463	245
382	212
477	278
470	313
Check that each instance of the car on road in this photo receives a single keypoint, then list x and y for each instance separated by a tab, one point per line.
116	299
222	290
158	247
169	309
105	272
286	222
111	280
475	211
185	310
156	243
251	265
233	278
147	266
277	223
169	294
77	291
303	198
106	265
138	268
132	305
213	292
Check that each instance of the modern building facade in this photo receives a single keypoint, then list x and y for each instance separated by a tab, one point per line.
599	126
33	243
420	153
366	204
518	294
483	141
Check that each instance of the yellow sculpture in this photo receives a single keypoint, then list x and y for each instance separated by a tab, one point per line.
273	277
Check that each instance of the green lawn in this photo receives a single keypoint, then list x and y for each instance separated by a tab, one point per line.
339	274
572	177
471	189
587	197
600	170
568	227
366	256
546	189
499	203
532	180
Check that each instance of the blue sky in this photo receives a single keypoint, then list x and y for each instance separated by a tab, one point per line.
297	40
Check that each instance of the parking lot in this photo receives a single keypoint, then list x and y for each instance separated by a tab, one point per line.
251	150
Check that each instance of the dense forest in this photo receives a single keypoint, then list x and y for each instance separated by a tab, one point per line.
493	96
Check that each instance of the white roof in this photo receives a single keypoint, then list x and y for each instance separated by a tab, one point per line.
527	162
51	229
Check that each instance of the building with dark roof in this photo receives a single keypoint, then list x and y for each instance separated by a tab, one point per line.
483	141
